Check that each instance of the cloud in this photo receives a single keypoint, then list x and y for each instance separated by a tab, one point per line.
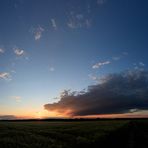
119	57
2	50
38	32
78	20
19	52
125	53
116	58
71	24
92	77
80	16
100	64
7	117
52	69
88	23
101	2
16	98
13	71
5	76
54	24
118	93
141	64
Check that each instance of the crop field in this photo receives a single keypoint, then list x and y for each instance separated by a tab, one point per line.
84	134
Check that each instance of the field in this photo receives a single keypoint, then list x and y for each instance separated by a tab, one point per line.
84	134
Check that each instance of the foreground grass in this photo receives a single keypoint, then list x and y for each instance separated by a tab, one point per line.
41	134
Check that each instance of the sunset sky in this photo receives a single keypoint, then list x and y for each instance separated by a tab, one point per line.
69	58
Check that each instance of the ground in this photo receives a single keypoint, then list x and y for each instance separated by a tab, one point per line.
74	134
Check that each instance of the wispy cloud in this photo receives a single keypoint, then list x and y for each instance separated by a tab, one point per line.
100	64
141	64
92	77
100	2
19	52
125	53
38	32
119	57
80	16
16	98
116	58
52	69
88	23
71	24
78	20
5	76
13	71
2	50
53	23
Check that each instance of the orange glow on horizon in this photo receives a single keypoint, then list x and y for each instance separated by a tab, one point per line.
41	113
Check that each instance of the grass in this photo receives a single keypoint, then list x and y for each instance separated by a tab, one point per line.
39	134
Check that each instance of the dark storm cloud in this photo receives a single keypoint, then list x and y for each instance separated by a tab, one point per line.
117	93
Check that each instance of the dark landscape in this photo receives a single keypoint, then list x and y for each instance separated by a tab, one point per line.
127	133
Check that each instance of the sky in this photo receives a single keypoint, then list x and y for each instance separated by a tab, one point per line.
68	58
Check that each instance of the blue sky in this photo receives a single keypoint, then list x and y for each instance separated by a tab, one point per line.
52	45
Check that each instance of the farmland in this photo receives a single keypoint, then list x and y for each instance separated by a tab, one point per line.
74	134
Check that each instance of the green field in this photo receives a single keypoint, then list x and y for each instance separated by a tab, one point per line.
60	134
